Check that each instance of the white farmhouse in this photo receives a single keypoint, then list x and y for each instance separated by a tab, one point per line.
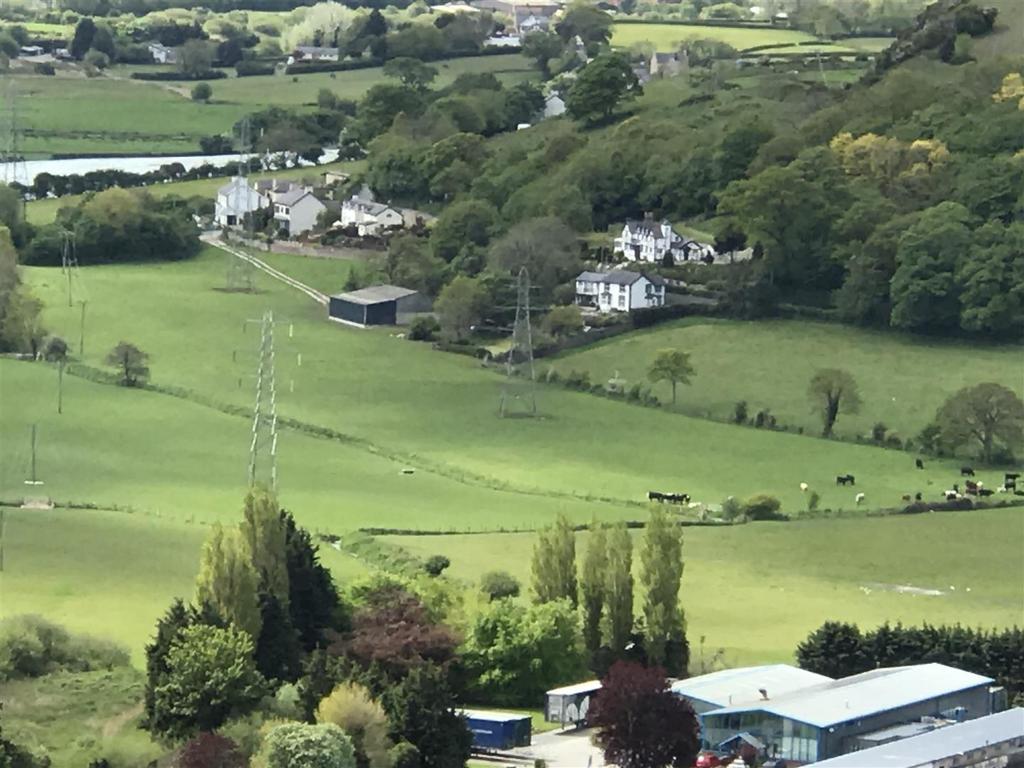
162	54
313	53
649	240
234	200
619	290
554	105
296	211
369	217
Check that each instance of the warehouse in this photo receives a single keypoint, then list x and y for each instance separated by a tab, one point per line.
377	305
827	719
987	741
743	685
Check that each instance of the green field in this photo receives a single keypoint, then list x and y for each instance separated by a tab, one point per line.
62	115
666	37
902	379
177	462
43	211
756	590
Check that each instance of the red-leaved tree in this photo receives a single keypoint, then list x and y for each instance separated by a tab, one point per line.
640	723
209	750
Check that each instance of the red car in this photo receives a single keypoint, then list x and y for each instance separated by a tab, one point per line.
712	759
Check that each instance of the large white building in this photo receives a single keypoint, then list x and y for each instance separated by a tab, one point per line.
369	217
619	291
649	240
236	199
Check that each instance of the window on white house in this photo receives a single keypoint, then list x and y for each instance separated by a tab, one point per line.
622	302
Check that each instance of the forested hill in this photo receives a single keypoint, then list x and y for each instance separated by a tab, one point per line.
898	198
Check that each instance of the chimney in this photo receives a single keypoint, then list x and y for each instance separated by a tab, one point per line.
764	693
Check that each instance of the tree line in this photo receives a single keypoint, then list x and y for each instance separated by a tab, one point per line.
839	649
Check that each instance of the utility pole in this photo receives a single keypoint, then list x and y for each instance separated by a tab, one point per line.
519	364
33	480
263	444
60	386
81	332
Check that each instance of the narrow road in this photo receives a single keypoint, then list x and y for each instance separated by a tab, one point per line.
313	293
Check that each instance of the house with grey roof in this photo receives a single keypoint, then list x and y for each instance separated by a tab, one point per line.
313	53
296	211
651	241
668	64
994	740
235	200
619	291
832	717
369	217
163	54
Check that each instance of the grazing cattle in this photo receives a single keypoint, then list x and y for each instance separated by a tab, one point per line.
1018	493
804	487
905	497
966	472
671	498
918	463
655	496
971	487
1001	489
845	480
917	496
985	491
951	495
1010	483
1011	476
859	498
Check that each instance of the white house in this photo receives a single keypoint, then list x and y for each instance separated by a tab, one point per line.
162	54
369	217
619	290
554	105
313	53
234	200
503	41
649	240
296	211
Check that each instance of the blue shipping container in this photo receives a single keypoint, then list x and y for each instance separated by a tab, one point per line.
498	730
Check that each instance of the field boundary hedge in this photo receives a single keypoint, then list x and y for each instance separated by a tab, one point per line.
300	68
214	74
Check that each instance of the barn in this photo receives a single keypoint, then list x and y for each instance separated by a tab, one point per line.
377	305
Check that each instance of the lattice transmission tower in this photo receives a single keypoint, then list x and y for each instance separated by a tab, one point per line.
518	395
241	273
14	168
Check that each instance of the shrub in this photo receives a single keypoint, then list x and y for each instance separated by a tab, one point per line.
764	419
405	755
96	59
762	507
424	328
45	68
436	564
731	508
739	413
252	69
878	432
499	584
31	646
578	380
202	92
812	501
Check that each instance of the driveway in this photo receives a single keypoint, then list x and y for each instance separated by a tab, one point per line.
570	748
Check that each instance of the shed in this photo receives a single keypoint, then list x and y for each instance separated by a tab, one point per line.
377	305
498	730
571	703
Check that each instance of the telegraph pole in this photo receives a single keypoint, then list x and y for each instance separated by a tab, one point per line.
60	386
81	331
33	480
519	364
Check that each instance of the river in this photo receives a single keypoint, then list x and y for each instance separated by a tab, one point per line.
26	172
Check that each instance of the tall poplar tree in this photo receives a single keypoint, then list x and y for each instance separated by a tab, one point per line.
617	622
593	587
554	563
264	534
227	582
661	573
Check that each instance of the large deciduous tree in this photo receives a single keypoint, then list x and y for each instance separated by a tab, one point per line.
195	58
130	362
264	534
830	390
411	72
661	573
227	582
553	567
992	277
210	677
600	87
986	414
640	723
546	247
593	586
20	326
673	366
460	305
542	47
617	622
515	652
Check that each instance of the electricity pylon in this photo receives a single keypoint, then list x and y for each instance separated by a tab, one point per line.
518	389
263	445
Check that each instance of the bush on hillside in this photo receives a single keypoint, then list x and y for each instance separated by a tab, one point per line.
31	646
762	507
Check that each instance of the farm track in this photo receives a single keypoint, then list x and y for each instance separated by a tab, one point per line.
315	295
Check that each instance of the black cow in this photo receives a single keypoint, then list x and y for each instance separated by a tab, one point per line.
966	472
1010	485
655	496
1018	493
1011	476
845	480
970	485
917	496
918	463
985	491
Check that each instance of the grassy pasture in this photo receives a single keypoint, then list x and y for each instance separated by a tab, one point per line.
756	590
666	37
73	114
769	363
439	411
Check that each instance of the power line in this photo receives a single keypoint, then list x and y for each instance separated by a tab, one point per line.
518	387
